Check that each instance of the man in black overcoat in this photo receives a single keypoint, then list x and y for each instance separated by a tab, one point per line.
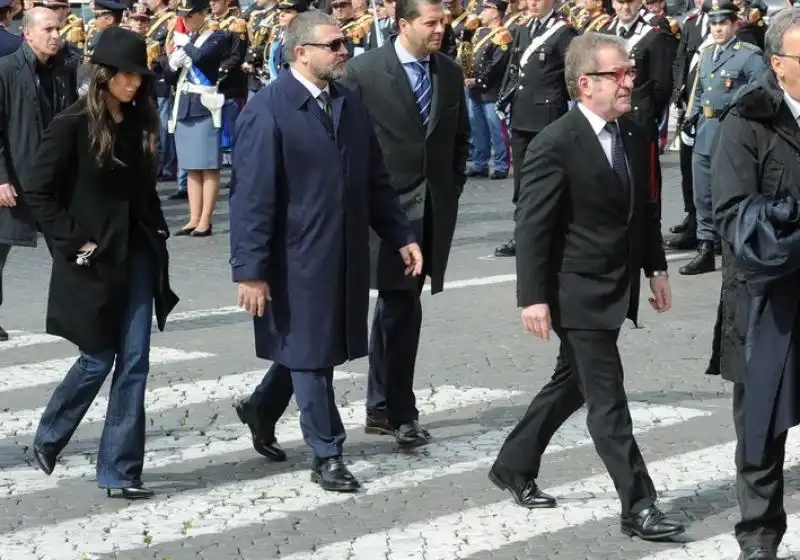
425	142
755	161
34	67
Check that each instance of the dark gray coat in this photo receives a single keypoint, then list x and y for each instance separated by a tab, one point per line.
21	128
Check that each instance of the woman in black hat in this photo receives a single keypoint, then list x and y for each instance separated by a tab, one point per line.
93	194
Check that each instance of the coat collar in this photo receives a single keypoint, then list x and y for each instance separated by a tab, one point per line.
301	98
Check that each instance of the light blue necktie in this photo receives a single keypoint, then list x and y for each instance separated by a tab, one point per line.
422	92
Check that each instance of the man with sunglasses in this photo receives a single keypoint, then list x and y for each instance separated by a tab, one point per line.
587	227
726	64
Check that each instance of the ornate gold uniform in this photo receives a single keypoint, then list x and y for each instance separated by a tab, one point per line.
72	31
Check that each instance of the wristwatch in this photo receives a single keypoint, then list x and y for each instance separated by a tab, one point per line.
663	273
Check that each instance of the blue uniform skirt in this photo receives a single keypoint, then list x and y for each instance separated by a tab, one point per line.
197	144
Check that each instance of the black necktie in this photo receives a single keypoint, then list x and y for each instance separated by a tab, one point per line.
536	25
622	31
618	160
326	104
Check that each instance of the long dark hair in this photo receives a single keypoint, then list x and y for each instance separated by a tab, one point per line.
101	123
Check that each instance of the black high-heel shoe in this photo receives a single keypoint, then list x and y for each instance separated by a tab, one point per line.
203	233
46	462
184	231
131	493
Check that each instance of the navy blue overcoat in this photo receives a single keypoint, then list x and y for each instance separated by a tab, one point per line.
304	193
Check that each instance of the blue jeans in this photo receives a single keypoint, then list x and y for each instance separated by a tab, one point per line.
487	137
166	141
121	455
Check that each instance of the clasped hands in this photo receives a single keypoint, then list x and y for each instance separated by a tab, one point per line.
253	295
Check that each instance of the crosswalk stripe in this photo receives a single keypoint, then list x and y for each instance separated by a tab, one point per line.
17	423
21	339
29	374
726	546
256	502
494	526
204	443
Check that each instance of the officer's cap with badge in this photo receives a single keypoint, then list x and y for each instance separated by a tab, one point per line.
298	6
141	11
721	10
189	7
51	4
500	5
105	7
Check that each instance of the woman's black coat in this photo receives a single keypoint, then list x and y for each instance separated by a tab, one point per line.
74	201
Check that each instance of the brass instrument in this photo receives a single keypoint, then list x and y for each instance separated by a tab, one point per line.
465	52
358	29
153	53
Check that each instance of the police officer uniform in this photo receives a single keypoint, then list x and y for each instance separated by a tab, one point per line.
491	51
9	42
273	51
358	30
455	20
534	89
695	35
723	69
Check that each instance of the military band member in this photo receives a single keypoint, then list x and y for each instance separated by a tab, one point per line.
491	48
233	84
592	17
355	27
653	52
455	17
725	66
139	22
162	25
261	17
752	27
694	36
516	15
534	87
273	51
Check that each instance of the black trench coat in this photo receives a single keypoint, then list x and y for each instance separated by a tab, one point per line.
75	201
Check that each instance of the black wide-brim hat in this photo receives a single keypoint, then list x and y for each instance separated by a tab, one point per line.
187	7
122	49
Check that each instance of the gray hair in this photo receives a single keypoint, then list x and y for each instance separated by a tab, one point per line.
779	25
302	30
582	57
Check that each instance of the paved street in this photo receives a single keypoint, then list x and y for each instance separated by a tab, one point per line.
477	371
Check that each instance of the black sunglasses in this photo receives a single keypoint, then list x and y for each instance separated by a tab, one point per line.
333	46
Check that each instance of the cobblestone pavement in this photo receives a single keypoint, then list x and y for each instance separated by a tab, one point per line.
477	371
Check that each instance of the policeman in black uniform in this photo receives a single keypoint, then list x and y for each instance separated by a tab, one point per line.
534	89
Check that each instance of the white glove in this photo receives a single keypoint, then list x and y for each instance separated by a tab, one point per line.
180	39
177	59
686	139
187	62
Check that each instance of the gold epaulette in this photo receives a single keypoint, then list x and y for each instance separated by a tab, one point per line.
503	39
599	22
472	22
674	26
237	25
73	33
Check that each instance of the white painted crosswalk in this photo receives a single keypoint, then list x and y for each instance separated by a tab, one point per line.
278	494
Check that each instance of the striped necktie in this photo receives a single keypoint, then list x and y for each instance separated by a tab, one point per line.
422	92
618	160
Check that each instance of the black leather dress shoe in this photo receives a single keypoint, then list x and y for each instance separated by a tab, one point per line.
508	249
333	475
264	444
650	524
378	425
410	435
526	494
703	262
683	226
758	553
131	493
3	335
46	462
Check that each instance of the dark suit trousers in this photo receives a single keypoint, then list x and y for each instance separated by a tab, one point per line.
320	421
4	250
588	370
519	145
393	346
759	488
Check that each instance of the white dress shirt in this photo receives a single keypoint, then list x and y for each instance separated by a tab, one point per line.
312	88
793	104
598	124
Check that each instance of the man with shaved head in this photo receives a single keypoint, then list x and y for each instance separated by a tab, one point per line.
35	66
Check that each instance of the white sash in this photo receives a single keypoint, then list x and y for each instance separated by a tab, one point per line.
699	52
641	32
553	26
181	81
